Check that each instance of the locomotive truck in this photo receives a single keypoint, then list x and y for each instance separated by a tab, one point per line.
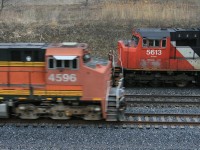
58	81
158	56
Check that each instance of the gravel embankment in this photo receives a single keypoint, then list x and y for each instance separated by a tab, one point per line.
94	138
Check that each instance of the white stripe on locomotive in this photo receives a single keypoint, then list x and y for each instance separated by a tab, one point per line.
188	53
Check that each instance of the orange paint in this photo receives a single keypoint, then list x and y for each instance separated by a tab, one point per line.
88	83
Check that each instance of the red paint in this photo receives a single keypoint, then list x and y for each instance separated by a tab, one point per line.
151	58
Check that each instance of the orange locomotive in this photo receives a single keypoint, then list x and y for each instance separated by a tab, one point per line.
160	56
57	81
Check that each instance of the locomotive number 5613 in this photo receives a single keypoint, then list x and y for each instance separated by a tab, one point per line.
62	77
154	52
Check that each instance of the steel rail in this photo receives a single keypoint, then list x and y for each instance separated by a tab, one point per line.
175	123
162	114
162	99
163	96
99	124
163	102
191	119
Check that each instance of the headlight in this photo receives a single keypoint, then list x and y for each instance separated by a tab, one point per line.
97	109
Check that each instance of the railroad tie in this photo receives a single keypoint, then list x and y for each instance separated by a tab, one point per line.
100	126
189	120
139	120
171	120
163	120
179	120
130	118
59	126
147	120
67	126
155	120
196	120
124	126
132	126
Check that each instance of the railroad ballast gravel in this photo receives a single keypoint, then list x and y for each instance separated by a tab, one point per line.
92	137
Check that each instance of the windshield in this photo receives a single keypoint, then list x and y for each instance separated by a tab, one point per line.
135	40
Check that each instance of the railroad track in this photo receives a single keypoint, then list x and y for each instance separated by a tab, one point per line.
131	120
163	119
175	100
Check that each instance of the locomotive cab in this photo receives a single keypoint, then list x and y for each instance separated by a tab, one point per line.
65	63
148	51
85	81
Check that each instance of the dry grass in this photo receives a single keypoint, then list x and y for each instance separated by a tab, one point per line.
100	25
168	13
155	13
101	37
63	14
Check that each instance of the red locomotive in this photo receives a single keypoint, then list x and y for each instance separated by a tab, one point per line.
58	81
160	56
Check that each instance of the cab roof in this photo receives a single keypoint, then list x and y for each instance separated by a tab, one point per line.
64	52
154	33
160	33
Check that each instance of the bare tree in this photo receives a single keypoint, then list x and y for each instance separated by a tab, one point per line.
86	2
2	4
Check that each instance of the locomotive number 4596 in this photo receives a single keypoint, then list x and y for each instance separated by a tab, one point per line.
62	77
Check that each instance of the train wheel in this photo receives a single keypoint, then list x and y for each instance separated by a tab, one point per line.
27	111
154	83
181	83
93	112
92	116
130	82
59	112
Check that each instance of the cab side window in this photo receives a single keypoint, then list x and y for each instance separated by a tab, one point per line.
67	63
51	63
144	44
70	64
157	43
164	42
59	64
135	39
152	43
74	64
